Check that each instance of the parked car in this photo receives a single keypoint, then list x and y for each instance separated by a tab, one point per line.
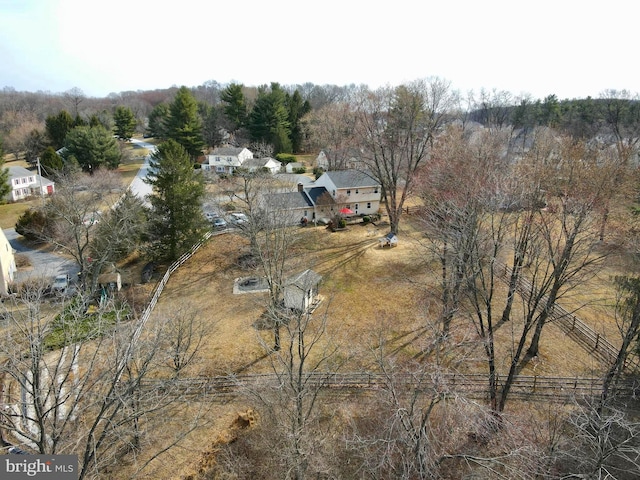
219	222
238	218
60	283
210	216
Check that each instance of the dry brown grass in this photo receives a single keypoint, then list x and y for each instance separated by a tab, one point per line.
368	292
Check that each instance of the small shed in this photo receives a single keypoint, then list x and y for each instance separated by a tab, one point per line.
301	291
111	281
389	240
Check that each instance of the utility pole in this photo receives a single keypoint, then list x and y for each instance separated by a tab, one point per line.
40	178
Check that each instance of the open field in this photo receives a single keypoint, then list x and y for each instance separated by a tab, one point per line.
367	291
369	294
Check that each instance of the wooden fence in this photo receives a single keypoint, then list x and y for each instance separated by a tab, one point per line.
474	385
593	342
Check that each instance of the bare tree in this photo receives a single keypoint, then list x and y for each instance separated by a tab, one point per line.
332	130
600	443
628	321
92	384
397	128
90	221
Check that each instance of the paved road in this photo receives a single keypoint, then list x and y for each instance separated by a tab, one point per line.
138	186
46	265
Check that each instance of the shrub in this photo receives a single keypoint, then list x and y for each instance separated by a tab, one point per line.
366	219
342	223
32	224
300	170
285	158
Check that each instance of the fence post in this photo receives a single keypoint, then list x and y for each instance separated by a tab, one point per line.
597	341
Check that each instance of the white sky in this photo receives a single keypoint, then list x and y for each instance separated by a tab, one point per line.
565	47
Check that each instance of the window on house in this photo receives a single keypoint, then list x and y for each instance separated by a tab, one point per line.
368	204
31	180
217	159
348	192
375	190
23	180
356	191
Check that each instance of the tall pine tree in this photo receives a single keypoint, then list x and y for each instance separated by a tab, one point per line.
184	124
235	105
176	222
125	123
269	119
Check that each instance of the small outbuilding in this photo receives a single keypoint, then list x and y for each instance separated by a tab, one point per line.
389	240
301	291
110	282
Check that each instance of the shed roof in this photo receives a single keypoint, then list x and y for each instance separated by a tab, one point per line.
304	280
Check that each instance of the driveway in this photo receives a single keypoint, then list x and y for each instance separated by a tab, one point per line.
44	265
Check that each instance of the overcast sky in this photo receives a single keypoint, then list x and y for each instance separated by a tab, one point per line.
568	48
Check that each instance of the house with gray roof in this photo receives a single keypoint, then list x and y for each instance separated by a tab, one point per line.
226	159
329	194
272	165
25	184
352	189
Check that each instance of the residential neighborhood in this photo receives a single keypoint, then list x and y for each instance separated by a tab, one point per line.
26	184
366	279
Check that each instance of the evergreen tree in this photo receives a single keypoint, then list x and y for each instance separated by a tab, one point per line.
125	123
92	148
176	219
269	119
157	119
211	125
50	162
297	109
235	105
184	124
5	187
57	127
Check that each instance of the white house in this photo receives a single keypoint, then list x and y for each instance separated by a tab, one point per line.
352	189
325	197
226	159
254	164
25	184
301	291
292	166
7	264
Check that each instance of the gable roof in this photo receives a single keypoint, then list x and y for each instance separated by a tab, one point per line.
305	280
228	151
288	200
260	162
19	172
351	178
315	193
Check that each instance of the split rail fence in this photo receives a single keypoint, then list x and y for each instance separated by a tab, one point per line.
551	388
